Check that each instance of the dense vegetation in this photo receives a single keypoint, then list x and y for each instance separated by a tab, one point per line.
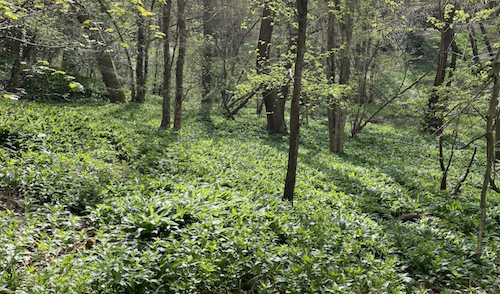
96	199
178	184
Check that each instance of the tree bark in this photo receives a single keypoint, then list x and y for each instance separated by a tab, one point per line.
336	114
179	70
139	69
17	65
206	75
293	151
105	62
433	116
274	109
346	29
490	157
167	69
127	53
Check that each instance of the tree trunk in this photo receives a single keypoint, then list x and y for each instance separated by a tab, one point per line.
490	119
433	116
179	70
17	66
167	69
104	62
336	114
274	109
206	75
346	29
139	70
129	59
293	151
336	124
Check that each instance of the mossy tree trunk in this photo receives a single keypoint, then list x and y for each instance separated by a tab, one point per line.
105	62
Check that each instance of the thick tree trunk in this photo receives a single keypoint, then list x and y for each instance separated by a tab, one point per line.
179	70
336	124
167	69
293	151
206	76
129	59
274	108
433	116
104	63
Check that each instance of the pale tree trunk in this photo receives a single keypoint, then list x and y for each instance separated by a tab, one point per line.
179	70
490	146
293	151
274	109
104	62
206	75
167	69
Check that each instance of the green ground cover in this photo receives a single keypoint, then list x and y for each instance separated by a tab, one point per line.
96	199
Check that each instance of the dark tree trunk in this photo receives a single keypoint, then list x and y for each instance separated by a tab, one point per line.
473	44
139	70
433	116
346	29
167	69
206	75
274	109
179	70
293	151
336	113
17	66
104	61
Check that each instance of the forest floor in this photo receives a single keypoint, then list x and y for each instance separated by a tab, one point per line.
96	199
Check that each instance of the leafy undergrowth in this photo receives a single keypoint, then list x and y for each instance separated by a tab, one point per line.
96	199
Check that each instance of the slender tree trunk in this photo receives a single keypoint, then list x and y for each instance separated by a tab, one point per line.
104	62
473	44
486	39
147	46
179	70
346	29
206	75
490	146
167	69
293	151
275	113
139	71
17	66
